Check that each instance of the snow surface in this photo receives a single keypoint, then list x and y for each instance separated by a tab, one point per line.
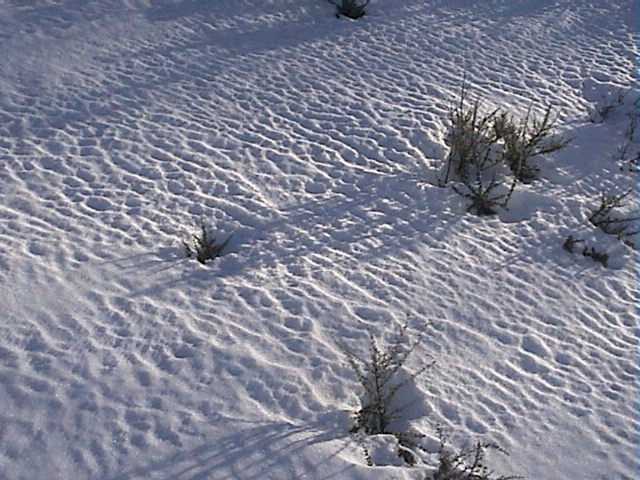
316	141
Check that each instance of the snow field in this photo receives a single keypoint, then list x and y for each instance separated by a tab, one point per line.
317	143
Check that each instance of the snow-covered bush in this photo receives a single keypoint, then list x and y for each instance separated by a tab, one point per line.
383	383
608	101
607	216
353	9
526	140
203	245
466	464
488	147
599	256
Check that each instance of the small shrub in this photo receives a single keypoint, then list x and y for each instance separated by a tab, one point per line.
606	218
523	142
606	105
626	158
632	163
628	153
379	377
485	196
471	139
596	256
353	9
482	143
570	243
474	142
634	118
467	464
203	246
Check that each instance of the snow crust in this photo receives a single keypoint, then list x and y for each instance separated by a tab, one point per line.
316	141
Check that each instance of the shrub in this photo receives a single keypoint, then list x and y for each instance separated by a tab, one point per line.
628	159
353	9
628	153
485	195
607	219
471	138
203	246
633	163
474	141
601	257
379	377
607	104
523	142
467	464
482	144
570	243
596	256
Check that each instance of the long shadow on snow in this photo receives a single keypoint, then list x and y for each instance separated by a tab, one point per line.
251	453
396	203
392	204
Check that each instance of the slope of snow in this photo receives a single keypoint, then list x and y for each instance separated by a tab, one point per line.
316	142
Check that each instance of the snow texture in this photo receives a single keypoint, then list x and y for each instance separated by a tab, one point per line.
316	141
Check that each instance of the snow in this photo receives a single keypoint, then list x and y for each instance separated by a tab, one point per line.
317	142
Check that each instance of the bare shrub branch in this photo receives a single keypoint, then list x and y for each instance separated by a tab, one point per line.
203	246
471	138
607	218
379	377
468	463
481	143
530	138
